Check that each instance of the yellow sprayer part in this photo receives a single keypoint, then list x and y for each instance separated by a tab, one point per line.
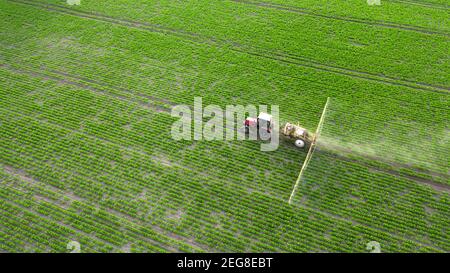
310	151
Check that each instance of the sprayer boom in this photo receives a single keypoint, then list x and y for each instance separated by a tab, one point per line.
310	151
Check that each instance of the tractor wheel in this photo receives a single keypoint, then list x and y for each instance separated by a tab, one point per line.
299	143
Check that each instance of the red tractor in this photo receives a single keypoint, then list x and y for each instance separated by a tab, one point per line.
302	137
264	125
263	122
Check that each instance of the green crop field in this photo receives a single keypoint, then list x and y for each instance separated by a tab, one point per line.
86	153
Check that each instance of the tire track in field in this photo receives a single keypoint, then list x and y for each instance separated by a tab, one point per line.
350	72
77	82
110	19
255	51
435	185
144	96
304	11
440	187
317	83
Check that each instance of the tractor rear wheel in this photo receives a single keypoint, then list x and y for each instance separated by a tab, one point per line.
299	143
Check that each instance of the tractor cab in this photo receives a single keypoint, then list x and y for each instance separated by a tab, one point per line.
263	121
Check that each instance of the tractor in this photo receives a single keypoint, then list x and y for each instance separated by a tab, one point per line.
301	136
263	121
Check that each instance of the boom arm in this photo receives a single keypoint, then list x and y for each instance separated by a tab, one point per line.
310	151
